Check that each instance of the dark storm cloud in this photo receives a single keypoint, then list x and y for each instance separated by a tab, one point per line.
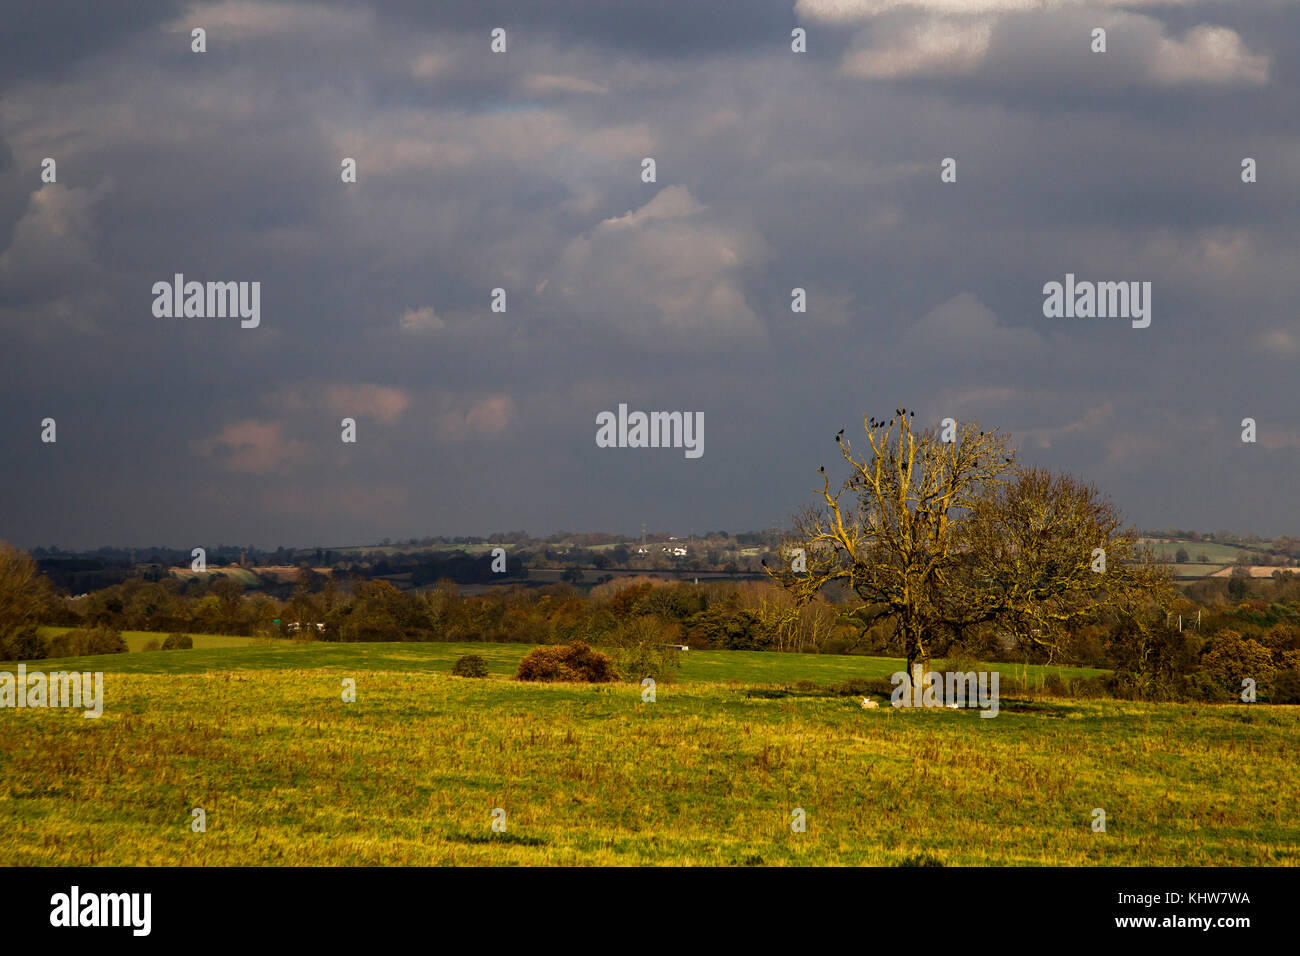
703	28
522	171
51	38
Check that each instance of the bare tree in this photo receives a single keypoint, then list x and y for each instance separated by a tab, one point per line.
943	537
895	542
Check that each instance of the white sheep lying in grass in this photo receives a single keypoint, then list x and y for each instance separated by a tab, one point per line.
868	703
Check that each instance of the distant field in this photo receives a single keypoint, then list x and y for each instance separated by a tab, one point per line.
1192	570
746	667
244	576
1254	570
136	640
411	772
1216	553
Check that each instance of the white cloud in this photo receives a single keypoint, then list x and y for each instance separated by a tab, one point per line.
52	241
421	320
51	264
1095	421
664	270
855	11
546	84
964	328
929	46
382	403
250	447
942	37
460	420
428	65
244	19
1208	54
1279	343
416	139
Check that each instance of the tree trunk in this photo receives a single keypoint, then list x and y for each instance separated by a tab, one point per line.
918	656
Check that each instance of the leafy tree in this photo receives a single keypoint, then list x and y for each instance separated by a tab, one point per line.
23	594
1047	554
1229	658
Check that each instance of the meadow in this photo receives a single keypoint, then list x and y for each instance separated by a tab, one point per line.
136	640
410	773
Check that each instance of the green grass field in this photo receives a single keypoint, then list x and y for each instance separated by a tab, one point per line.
410	773
136	640
216	651
1217	554
1195	570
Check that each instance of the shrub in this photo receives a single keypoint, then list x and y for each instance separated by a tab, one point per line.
1090	686
1286	688
569	662
471	665
152	644
24	644
1054	685
639	650
865	687
960	661
81	642
661	664
1229	658
356	632
178	642
1208	689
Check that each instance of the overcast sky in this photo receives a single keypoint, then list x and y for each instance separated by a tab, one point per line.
523	170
